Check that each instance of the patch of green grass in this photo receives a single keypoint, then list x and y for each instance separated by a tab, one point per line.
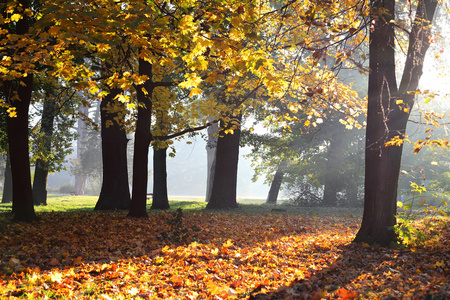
74	204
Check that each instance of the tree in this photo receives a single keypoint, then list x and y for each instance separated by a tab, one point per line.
115	192
276	183
389	107
223	191
42	166
160	197
17	90
7	183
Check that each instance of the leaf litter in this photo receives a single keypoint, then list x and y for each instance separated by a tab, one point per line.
219	256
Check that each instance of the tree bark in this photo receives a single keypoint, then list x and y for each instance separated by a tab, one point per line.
7	183
80	179
211	147
223	194
160	198
142	141
276	183
17	127
41	167
115	191
386	119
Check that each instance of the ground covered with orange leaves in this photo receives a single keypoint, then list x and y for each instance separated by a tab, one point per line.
212	256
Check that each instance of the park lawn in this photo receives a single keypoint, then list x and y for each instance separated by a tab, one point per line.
256	252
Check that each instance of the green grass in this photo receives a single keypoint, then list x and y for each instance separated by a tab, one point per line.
73	204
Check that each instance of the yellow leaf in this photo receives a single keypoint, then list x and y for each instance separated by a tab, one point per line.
434	163
16	17
195	91
12	112
399	102
307	123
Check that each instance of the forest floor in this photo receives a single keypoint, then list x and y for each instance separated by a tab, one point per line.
255	252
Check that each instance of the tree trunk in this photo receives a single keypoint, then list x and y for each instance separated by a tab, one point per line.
41	167
332	180
17	127
386	119
7	183
142	141
211	147
276	183
80	179
160	198
115	191
223	194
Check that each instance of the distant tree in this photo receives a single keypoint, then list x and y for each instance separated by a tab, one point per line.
41	169
276	183
7	182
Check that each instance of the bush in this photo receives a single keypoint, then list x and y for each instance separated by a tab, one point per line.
67	188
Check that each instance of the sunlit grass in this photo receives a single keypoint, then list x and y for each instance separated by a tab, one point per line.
73	204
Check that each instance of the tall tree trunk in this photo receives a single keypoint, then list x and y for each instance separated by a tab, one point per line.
160	198
332	180
142	141
80	179
223	194
272	197
41	167
17	127
211	147
386	119
115	191
7	183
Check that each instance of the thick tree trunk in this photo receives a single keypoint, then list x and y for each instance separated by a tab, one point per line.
115	191
19	154
7	183
332	180
80	179
17	127
160	198
276	183
41	167
223	194
142	141
386	119
211	147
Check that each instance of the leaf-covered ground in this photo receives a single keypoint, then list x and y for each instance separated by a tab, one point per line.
256	256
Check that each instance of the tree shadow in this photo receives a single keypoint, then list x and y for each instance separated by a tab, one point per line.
227	245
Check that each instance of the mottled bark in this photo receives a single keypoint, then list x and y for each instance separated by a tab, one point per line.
211	147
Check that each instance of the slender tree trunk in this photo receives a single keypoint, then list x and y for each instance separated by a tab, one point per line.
272	197
386	119
41	167
160	198
80	179
7	183
223	194
211	147
332	180
115	191
142	141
